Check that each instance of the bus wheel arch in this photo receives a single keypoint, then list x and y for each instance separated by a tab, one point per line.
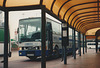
56	51
56	47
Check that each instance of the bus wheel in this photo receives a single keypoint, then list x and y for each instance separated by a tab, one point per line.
56	52
32	58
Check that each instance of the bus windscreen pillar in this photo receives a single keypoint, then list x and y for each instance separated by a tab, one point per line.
74	44
83	43
96	44
65	40
43	37
6	40
79	43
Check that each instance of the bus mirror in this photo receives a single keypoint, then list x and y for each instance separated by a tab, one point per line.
17	30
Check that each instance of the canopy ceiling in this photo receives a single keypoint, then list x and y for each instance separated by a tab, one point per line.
92	31
82	15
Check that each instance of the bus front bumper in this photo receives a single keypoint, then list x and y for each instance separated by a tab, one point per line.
31	52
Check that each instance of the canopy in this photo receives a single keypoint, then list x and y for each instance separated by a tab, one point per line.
82	15
92	31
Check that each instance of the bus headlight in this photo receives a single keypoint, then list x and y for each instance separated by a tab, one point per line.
20	48
38	47
20	53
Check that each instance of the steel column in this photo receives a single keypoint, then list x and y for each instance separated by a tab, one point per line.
74	46
67	38
96	45
43	37
83	44
79	43
6	40
64	39
72	42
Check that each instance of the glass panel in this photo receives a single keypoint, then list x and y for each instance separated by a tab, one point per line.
15	16
53	38
1	26
56	25
70	38
76	38
70	33
29	29
25	29
1	36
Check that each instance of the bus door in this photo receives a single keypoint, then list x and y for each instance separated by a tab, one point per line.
49	37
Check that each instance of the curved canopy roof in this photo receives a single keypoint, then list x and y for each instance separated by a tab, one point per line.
97	33
92	31
82	15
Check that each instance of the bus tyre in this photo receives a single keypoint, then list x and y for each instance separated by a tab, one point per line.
32	58
56	52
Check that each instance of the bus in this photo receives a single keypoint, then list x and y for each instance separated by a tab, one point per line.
2	44
29	38
91	45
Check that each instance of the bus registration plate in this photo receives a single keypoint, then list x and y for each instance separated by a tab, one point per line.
30	54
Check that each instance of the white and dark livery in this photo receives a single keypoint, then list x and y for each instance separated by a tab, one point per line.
29	33
91	44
